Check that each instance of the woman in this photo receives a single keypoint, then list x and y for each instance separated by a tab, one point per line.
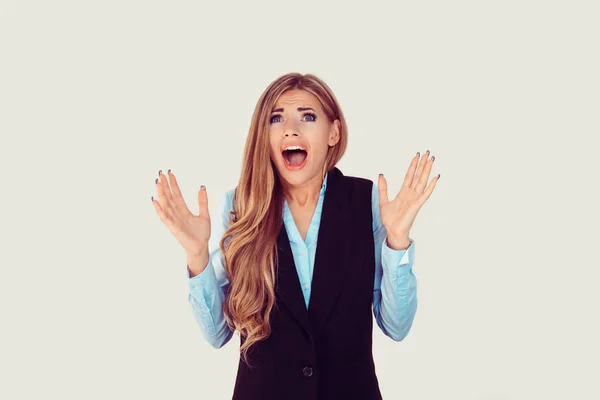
305	253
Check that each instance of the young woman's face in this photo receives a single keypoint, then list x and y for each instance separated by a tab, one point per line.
298	120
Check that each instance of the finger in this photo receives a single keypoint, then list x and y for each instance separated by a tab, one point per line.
424	175
408	178
165	184
162	198
427	193
171	205
177	197
422	162
161	213
203	201
382	188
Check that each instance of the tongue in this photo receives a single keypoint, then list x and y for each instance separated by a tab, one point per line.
296	157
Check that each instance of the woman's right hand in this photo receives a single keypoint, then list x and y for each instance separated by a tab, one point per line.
192	231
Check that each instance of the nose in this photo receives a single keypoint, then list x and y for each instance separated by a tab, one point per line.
290	129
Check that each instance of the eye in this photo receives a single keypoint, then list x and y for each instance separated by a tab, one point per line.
309	114
274	116
314	117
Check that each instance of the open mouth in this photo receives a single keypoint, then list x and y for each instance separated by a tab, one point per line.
295	157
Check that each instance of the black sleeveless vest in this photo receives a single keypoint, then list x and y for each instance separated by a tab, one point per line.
325	352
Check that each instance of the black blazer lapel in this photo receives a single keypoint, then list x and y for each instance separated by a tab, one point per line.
333	250
288	289
332	255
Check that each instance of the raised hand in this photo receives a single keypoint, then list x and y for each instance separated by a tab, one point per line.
399	214
192	231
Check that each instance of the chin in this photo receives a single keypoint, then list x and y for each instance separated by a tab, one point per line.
295	177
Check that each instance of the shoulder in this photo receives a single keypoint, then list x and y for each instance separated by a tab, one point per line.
363	194
362	191
367	187
360	185
228	204
358	181
229	197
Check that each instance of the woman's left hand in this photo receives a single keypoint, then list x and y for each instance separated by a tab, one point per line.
399	214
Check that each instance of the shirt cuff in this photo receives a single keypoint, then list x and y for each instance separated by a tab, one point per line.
394	258
206	279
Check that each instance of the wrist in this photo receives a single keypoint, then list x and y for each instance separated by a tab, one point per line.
197	262
398	243
199	251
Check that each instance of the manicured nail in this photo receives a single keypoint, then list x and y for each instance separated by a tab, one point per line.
152	198
439	176
156	180
433	158
203	187
427	151
380	175
169	171
159	172
418	153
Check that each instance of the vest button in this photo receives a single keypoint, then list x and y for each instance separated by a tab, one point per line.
308	371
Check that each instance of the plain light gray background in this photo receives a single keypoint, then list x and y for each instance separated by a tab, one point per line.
96	97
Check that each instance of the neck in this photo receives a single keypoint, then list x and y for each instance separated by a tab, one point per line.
304	194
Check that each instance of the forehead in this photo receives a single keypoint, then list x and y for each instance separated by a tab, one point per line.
298	97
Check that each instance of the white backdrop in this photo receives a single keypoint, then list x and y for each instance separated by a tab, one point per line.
96	97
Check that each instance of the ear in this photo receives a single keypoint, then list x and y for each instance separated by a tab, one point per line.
334	132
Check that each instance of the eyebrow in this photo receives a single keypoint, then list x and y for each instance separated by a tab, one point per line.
299	109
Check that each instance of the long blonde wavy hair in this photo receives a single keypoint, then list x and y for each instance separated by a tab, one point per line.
250	257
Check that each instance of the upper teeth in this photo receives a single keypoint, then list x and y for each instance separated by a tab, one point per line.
294	148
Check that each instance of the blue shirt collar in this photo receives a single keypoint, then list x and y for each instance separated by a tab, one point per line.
324	185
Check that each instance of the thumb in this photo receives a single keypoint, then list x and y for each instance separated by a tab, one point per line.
382	187
203	201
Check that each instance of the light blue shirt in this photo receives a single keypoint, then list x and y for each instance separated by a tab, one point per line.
394	290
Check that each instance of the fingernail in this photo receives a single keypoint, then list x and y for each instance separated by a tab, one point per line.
439	176
380	174
203	187
152	198
418	153
433	158
159	172
169	171
427	151
156	180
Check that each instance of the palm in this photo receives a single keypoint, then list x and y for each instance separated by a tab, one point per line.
191	231
398	214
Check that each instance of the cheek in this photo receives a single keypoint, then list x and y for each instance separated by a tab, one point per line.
320	143
273	149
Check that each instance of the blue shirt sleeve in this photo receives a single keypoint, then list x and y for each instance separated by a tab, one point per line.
395	288
207	290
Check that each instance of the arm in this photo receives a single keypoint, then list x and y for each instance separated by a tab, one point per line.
395	288
207	289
